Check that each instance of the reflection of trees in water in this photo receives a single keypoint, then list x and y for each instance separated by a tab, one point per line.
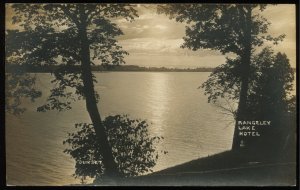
134	150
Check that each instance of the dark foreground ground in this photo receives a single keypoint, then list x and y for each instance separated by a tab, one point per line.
223	169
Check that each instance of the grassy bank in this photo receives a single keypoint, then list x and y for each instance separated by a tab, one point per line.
224	169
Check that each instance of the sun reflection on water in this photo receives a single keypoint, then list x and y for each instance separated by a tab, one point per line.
158	91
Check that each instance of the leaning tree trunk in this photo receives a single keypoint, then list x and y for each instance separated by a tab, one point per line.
110	165
246	59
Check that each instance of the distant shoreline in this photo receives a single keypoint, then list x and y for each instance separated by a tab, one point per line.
100	68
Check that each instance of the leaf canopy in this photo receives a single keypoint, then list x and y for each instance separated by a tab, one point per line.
220	27
48	34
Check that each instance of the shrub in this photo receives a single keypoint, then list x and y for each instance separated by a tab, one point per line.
133	148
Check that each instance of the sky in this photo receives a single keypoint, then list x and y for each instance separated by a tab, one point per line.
153	40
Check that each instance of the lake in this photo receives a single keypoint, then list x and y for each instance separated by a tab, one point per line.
171	101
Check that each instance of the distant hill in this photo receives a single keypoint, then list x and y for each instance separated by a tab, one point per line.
100	68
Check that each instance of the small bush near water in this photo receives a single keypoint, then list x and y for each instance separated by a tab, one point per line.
133	148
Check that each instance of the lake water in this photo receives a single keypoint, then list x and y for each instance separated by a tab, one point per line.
178	111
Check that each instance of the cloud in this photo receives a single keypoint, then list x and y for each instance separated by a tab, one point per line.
283	21
154	46
161	27
151	45
149	24
156	34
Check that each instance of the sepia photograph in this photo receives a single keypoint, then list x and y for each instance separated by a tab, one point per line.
116	94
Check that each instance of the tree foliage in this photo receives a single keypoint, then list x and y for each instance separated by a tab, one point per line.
271	81
18	83
272	84
48	35
224	81
230	29
73	37
270	99
134	150
269	94
220	27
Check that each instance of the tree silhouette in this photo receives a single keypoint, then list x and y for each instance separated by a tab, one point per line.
270	99
270	84
132	147
70	35
18	84
228	28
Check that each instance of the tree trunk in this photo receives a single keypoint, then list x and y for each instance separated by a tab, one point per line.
110	165
246	60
